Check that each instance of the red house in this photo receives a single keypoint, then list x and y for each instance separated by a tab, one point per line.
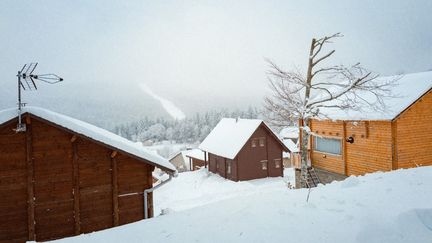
243	149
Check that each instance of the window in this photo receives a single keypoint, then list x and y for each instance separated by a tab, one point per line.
229	167
261	142
217	163
277	163
254	142
327	145
264	164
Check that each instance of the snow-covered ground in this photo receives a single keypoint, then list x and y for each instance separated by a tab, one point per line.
380	207
197	188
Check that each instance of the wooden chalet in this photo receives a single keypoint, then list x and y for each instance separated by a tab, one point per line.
354	143
63	177
243	149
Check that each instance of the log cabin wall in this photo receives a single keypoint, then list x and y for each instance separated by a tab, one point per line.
372	147
371	150
413	134
250	158
55	184
13	185
330	162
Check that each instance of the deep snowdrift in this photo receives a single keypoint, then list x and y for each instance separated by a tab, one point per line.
380	207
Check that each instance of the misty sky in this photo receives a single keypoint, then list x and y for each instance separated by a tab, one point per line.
204	53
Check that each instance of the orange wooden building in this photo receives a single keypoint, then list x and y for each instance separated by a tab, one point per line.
355	143
63	177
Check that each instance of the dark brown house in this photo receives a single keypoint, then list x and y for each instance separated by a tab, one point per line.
243	149
63	177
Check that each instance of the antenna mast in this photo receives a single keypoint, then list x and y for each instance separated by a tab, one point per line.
26	75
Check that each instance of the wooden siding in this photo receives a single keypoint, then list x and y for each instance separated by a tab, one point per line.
249	158
13	185
247	164
74	182
196	163
371	150
333	163
414	134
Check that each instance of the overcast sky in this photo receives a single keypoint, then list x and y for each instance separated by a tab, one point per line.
202	53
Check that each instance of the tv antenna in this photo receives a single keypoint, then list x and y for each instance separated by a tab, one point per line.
26	81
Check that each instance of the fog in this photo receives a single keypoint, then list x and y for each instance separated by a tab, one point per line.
198	54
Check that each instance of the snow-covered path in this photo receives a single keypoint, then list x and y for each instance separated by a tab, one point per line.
381	207
198	188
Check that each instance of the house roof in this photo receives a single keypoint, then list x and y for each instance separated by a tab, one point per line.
92	132
292	147
289	132
408	89
193	153
230	135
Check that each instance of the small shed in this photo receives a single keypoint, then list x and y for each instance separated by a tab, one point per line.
188	160
352	142
63	177
243	149
291	159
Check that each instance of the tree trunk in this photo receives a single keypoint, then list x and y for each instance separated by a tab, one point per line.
304	151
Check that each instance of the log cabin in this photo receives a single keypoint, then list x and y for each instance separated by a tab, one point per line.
354	142
63	177
243	149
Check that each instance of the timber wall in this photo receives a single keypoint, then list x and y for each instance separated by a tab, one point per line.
371	150
249	158
54	184
414	134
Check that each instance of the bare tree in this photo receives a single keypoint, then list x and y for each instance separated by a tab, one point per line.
298	98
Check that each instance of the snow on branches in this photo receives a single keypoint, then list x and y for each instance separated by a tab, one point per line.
295	96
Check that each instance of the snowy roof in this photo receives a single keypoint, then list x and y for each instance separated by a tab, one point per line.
408	89
289	132
230	135
92	132
291	145
194	153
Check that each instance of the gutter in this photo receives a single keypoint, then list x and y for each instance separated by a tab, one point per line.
147	191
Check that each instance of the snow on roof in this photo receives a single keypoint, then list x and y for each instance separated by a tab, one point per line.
92	132
194	153
291	145
229	136
409	88
289	132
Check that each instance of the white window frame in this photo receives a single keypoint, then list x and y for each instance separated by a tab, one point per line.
229	167
315	139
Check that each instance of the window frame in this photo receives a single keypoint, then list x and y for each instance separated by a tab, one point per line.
229	169
278	163
324	152
261	139
264	162
254	143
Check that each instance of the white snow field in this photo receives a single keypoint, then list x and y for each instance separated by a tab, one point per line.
381	207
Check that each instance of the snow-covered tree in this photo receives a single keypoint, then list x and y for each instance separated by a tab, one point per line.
296	97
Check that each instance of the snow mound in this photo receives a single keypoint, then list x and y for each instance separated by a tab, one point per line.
351	181
392	207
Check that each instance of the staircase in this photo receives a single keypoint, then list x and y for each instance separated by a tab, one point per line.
311	180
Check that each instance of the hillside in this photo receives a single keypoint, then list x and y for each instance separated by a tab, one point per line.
380	207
